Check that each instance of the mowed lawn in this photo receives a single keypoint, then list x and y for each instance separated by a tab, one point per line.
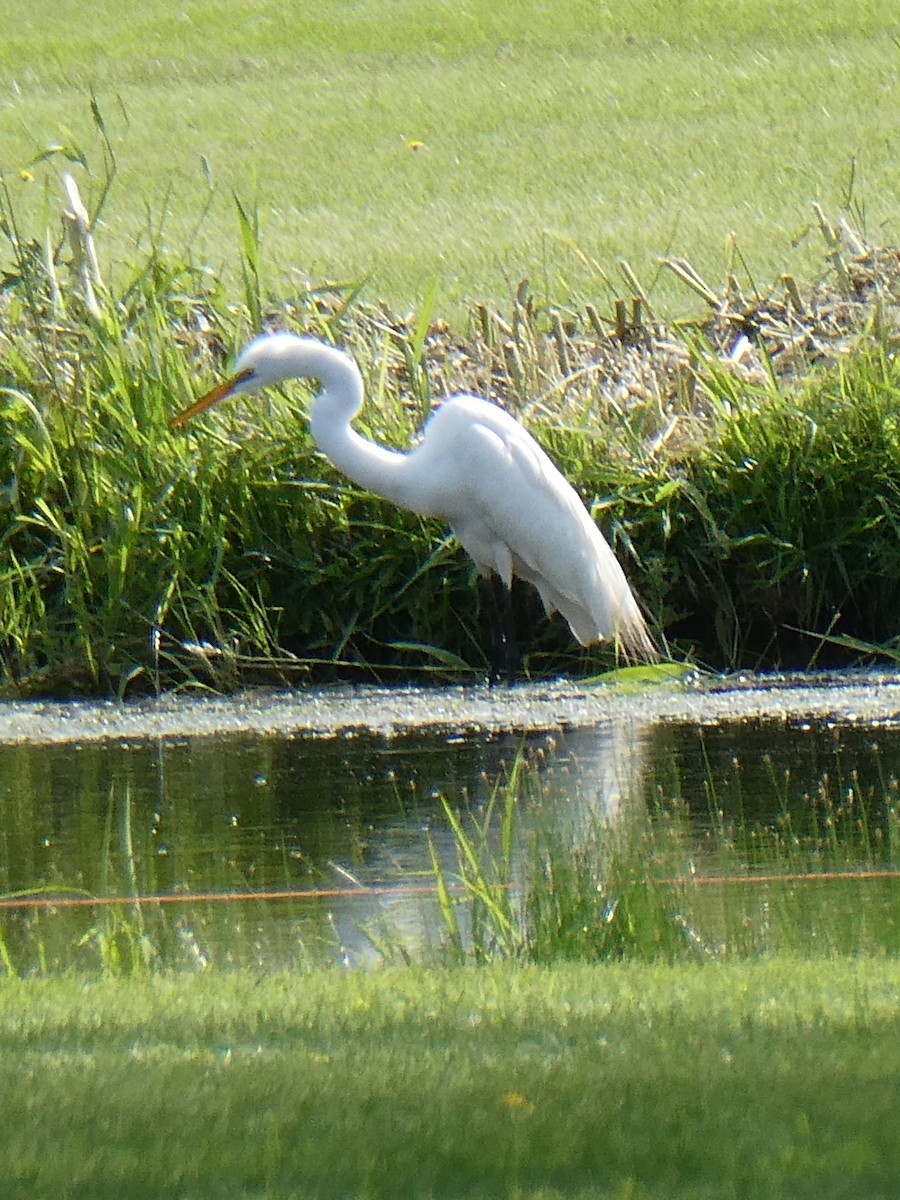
754	1080
423	143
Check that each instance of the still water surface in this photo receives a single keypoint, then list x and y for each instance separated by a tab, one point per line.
256	812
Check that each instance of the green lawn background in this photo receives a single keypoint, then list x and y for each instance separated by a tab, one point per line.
555	137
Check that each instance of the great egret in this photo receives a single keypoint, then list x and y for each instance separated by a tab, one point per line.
478	470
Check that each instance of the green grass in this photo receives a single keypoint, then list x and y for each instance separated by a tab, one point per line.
788	517
626	129
751	1080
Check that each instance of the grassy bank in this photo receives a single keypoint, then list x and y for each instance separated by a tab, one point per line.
745	467
753	1080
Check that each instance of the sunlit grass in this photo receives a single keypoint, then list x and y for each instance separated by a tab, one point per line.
651	1081
622	130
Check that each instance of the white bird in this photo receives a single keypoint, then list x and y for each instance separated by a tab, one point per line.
477	469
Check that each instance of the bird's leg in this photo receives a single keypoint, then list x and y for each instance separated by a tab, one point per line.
504	652
508	623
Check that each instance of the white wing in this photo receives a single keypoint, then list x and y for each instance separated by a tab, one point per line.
516	514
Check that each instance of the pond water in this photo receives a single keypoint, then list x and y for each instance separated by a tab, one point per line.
163	811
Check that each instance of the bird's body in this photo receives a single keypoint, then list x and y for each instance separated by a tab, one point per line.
477	469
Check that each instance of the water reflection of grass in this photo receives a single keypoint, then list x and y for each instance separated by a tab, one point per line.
541	886
752	1079
99	902
529	876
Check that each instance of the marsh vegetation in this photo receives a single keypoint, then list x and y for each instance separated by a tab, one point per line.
626	841
744	467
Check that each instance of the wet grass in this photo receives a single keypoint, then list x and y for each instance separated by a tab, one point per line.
800	862
190	824
601	1082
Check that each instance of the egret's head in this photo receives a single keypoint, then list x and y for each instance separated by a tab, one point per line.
267	360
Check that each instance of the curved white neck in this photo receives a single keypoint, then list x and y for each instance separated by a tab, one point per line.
373	467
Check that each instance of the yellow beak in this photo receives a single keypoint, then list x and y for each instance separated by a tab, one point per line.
222	392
